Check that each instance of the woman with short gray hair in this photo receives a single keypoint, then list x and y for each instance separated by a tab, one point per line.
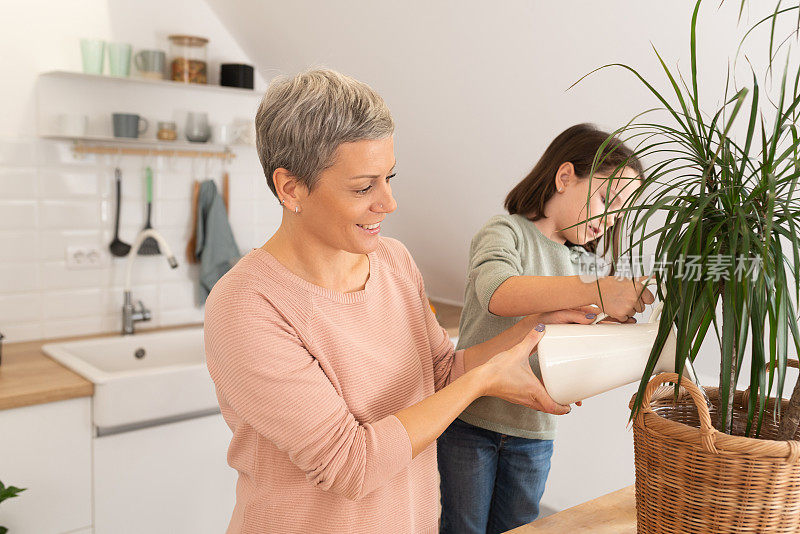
330	368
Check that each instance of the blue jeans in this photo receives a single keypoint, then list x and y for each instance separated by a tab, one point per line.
490	482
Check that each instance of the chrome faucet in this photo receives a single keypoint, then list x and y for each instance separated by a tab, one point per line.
130	314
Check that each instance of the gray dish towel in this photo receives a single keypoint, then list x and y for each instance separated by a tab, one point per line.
216	248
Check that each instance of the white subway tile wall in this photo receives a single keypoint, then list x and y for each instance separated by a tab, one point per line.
51	200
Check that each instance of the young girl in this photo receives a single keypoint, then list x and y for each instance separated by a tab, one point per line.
494	459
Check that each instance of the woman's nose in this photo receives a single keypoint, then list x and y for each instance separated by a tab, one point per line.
386	203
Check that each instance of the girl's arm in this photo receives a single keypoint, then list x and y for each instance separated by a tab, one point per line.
622	298
496	269
526	295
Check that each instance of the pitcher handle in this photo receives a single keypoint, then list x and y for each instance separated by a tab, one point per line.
657	309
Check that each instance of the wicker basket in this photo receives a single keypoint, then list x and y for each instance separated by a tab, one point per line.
692	478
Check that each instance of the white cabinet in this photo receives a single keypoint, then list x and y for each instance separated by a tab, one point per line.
47	449
171	478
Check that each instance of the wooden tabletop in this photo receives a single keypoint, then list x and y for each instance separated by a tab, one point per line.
614	513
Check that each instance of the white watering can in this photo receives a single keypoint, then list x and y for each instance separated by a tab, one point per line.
578	361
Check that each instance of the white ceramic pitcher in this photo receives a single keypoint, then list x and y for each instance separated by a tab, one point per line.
579	361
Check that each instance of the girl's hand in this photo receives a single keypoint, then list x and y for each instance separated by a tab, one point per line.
623	298
509	377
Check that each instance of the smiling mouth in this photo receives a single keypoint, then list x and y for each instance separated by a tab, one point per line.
371	229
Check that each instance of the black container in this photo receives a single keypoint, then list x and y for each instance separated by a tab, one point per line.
236	75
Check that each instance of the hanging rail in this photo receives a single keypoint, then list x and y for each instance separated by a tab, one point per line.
82	147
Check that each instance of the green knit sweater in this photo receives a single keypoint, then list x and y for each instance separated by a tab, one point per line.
509	245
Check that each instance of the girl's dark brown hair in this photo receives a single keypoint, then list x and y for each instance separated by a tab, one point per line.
577	145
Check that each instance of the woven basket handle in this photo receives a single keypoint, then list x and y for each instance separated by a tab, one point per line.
789	362
707	431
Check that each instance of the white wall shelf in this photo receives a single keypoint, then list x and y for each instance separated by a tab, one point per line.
98	97
165	84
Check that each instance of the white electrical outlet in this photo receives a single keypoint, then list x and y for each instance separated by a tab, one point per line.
85	257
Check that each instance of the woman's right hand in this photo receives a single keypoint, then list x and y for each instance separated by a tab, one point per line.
622	298
509	377
579	315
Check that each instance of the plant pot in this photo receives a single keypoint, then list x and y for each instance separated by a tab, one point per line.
692	478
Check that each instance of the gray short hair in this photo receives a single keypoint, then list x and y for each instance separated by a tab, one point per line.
302	120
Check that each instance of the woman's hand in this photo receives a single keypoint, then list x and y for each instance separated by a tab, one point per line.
623	298
509	377
579	315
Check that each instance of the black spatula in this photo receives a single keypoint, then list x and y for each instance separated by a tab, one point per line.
117	246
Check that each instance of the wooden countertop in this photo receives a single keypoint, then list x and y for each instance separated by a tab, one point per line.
448	316
28	376
614	513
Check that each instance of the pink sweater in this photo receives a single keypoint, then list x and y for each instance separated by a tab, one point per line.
308	380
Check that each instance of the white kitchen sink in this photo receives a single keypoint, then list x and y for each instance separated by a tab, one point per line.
142	378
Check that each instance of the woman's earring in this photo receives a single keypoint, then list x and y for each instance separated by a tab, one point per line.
297	209
283	202
561	190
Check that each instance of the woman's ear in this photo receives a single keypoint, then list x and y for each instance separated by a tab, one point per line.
565	175
286	186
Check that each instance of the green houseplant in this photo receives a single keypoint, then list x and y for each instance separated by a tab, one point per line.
727	201
7	493
720	196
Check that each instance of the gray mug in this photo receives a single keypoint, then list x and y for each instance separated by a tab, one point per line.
128	125
151	63
197	129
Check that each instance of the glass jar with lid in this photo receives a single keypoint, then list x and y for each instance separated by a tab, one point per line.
188	58
167	131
